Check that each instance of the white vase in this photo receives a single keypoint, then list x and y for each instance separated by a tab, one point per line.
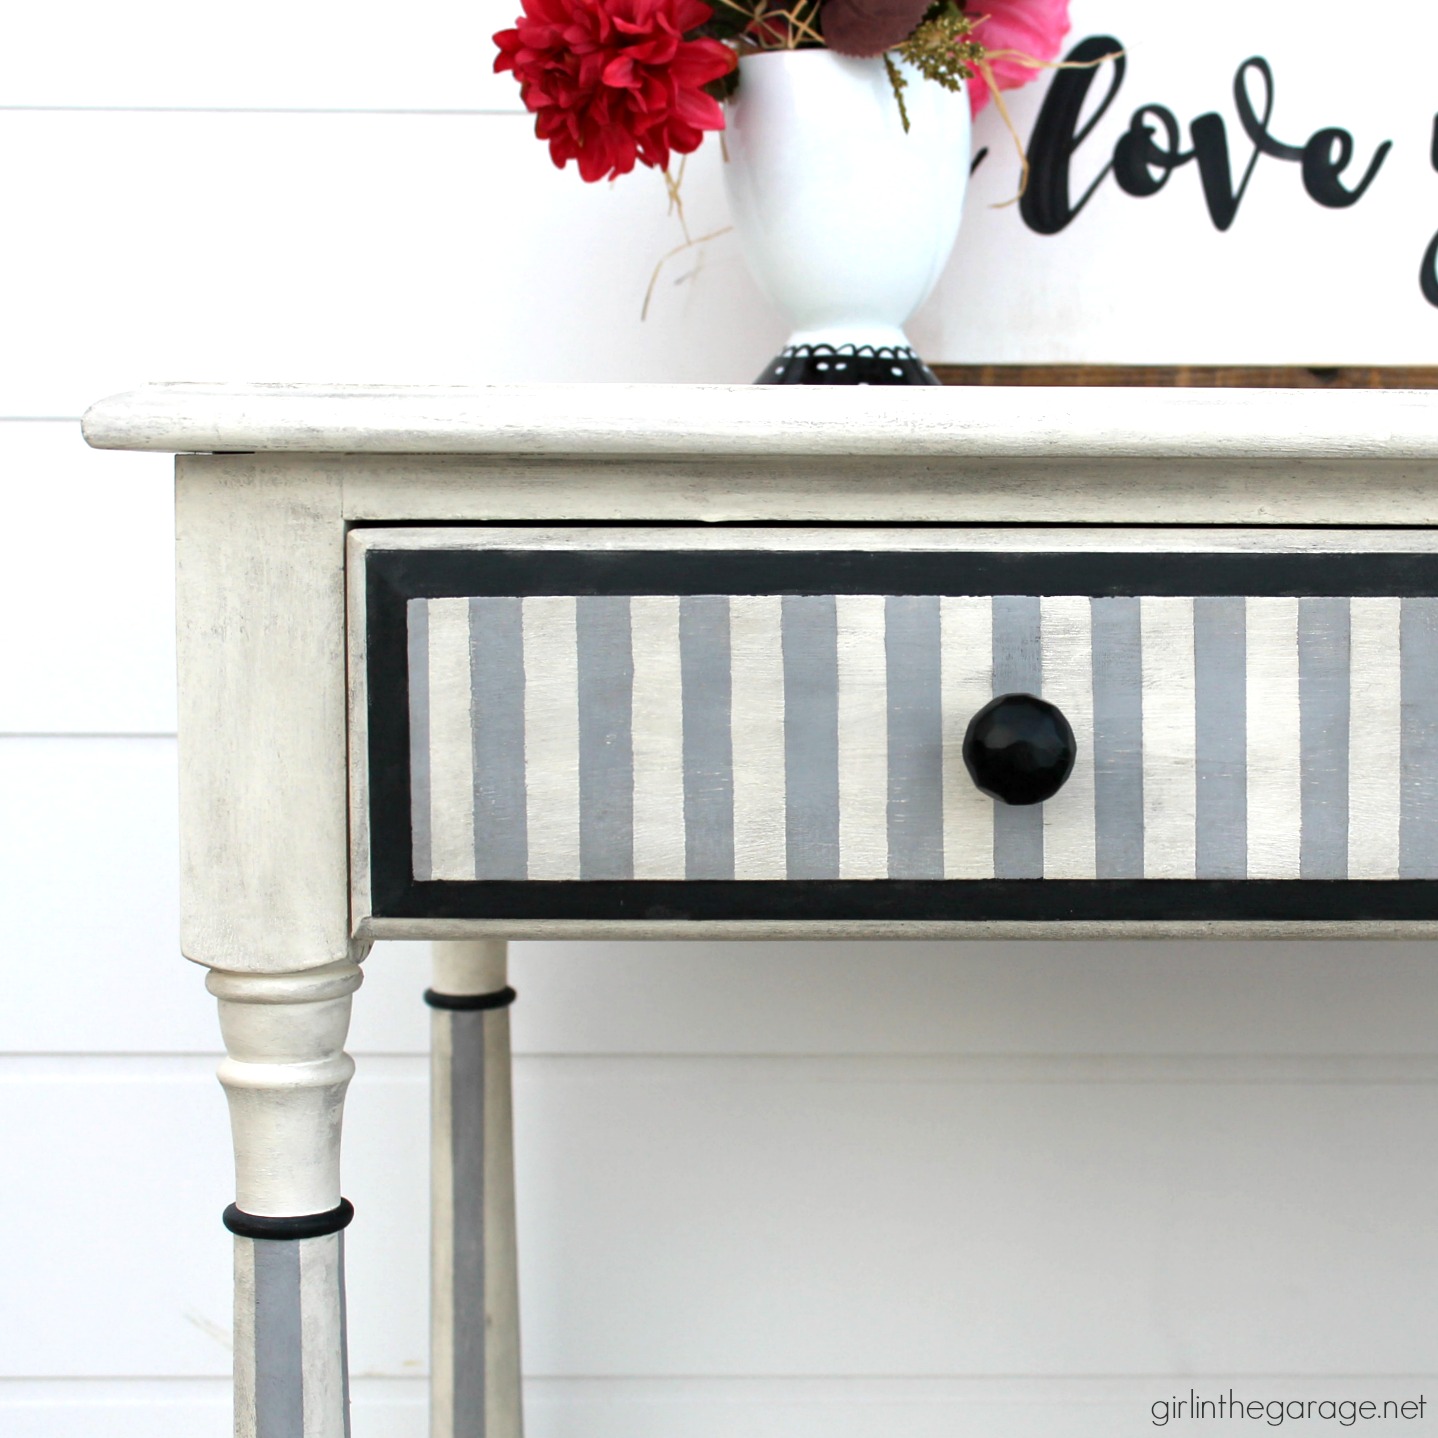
845	220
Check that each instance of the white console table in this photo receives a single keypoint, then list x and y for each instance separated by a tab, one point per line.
469	665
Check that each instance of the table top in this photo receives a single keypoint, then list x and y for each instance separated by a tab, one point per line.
712	421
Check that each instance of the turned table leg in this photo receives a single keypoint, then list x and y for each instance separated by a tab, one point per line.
285	1078
474	1344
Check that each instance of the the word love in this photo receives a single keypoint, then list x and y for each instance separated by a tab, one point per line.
1154	146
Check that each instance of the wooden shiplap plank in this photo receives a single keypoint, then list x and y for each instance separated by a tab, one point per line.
89	638
320	285
662	1185
318	56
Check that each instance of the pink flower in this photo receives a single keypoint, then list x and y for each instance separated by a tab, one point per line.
1034	28
615	81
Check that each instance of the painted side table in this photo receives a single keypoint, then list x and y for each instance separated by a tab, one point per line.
622	661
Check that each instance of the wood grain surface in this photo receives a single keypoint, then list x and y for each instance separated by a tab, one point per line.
1155	376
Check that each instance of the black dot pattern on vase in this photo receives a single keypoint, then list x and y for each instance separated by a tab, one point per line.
847	364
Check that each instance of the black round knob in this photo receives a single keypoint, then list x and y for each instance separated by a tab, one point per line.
1019	749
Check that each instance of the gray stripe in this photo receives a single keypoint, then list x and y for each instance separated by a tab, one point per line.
417	613
1118	738
810	629
1418	810
466	1096
916	737
279	1346
1323	699
1018	669
1220	677
708	745
606	747
496	669
344	1331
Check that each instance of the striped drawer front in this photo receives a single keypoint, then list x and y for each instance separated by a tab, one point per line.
818	737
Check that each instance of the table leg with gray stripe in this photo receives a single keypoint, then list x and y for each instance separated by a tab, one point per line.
285	1076
474	1345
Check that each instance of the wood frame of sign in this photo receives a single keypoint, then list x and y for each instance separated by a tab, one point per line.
1196	376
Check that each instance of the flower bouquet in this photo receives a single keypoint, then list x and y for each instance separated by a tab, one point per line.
848	137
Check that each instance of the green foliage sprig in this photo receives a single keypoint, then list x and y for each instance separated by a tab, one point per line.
940	47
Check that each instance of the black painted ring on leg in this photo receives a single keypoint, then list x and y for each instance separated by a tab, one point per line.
500	999
305	1225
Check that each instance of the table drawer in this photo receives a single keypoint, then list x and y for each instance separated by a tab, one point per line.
724	725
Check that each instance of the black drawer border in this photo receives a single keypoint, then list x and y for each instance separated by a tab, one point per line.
395	576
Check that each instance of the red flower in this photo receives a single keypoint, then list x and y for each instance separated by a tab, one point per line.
612	81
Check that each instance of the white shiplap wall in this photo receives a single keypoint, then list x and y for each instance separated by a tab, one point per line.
858	1191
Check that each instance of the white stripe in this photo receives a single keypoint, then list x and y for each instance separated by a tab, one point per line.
1275	801
1374	738
658	739
244	1335
1066	628
757	727
863	738
451	742
551	736
967	684
1170	779
321	1366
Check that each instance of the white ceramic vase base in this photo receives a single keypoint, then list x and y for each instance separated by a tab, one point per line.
845	219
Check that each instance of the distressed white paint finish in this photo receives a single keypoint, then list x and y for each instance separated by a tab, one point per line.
658	742
285	1074
551	736
1169	763
1274	795
1308	491
451	741
986	539
243	1334
775	422
324	1379
896	490
863	738
966	684
1066	636
757	730
263	785
285	1077
1374	738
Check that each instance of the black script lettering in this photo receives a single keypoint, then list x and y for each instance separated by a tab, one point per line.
1255	126
1045	205
1427	278
1136	157
1325	157
1142	160
1210	145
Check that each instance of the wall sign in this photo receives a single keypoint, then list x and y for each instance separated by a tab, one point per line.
1261	188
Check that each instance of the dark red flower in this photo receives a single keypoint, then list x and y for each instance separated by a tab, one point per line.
612	81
